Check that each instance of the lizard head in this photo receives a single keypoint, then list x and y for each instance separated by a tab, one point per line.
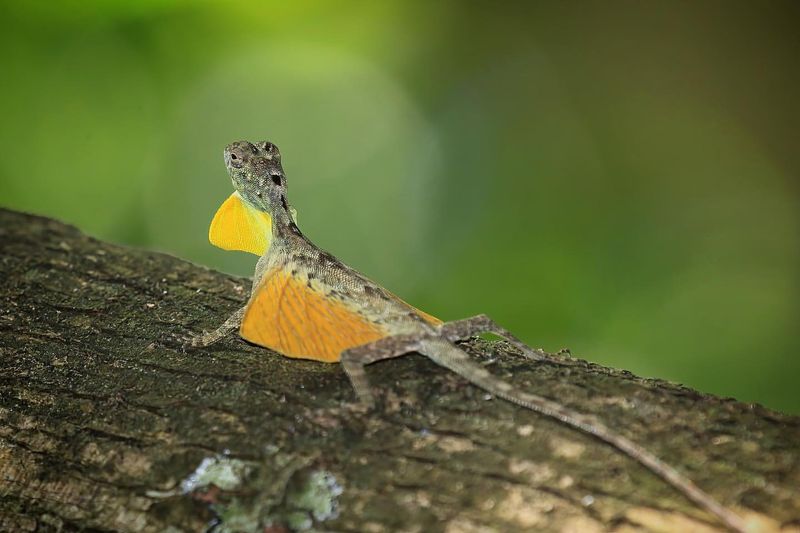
257	174
245	221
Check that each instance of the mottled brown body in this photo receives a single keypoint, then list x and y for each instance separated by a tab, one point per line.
318	308
306	303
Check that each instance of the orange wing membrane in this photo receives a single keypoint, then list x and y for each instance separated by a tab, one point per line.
287	316
430	319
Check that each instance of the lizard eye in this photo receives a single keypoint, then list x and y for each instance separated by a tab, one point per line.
235	160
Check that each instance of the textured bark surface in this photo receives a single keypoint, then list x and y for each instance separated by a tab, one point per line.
104	428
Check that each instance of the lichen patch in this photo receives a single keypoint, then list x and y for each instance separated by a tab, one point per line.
224	472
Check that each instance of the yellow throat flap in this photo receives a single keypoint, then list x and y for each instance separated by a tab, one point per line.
239	226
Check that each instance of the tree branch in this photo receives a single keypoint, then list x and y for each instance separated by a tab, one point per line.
104	428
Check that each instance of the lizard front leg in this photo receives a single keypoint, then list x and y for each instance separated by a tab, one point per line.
207	339
234	321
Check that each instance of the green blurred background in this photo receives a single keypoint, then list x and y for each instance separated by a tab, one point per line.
617	178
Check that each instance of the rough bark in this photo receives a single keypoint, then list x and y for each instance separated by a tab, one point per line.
104	428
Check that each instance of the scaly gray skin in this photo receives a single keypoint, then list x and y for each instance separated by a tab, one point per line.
257	174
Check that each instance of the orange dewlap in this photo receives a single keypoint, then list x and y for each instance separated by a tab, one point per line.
297	321
238	226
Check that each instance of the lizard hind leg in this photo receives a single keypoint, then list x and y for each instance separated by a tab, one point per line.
469	327
354	359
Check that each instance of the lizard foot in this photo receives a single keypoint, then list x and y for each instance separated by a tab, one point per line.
181	342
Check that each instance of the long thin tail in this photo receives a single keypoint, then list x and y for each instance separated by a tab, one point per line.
446	354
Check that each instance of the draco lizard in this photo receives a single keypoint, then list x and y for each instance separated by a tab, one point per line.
306	304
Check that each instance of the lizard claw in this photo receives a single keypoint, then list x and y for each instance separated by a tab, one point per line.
178	341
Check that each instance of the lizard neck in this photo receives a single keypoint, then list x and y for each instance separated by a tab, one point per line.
283	226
